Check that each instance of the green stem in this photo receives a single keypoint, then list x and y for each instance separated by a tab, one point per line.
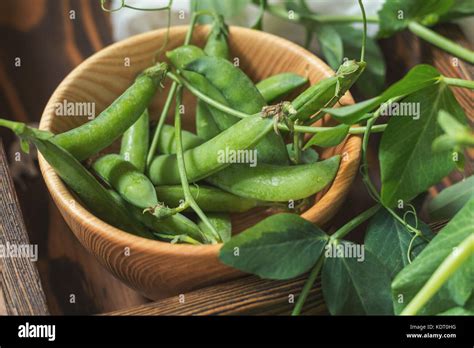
344	230
364	33
308	285
375	129
161	122
441	42
447	268
458	82
182	172
339	234
171	94
239	114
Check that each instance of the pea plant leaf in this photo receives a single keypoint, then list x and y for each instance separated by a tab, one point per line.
457	311
389	240
417	78
451	200
330	42
457	290
355	287
407	163
372	80
457	135
396	15
282	246
328	138
459	9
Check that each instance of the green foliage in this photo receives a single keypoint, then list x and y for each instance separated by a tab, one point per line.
458	288
417	78
355	287
395	15
408	165
282	246
389	240
451	200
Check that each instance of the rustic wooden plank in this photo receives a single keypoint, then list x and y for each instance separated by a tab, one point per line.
246	296
22	293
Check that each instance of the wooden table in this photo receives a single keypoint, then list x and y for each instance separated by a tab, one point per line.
50	46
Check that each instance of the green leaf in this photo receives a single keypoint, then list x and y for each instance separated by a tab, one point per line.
282	246
408	165
457	311
307	156
458	288
388	240
332	137
417	78
352	287
221	223
457	135
372	80
451	199
330	43
396	14
449	124
228	9
459	9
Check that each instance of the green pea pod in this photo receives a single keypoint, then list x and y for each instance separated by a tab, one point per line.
326	93
205	159
173	225
94	136
95	197
277	86
206	127
167	144
276	183
242	95
182	56
210	199
222	225
217	45
133	186
135	142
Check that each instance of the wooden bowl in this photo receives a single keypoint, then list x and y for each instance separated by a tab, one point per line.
154	268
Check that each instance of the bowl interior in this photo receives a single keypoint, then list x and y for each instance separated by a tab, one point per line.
105	75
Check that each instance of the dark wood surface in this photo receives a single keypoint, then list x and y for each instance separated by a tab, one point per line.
50	46
21	292
249	296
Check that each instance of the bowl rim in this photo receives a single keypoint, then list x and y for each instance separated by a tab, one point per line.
89	222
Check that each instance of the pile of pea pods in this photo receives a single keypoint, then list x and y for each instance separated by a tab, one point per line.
174	185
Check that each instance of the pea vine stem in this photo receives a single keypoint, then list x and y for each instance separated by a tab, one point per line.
352	224
239	114
458	82
447	268
440	41
172	91
182	170
307	286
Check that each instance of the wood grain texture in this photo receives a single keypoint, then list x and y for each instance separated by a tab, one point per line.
246	296
21	292
160	269
35	31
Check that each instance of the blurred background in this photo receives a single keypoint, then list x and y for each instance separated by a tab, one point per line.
43	40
